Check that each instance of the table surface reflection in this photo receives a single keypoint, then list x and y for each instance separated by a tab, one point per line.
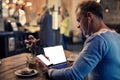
11	64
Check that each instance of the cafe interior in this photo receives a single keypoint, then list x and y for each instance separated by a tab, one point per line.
14	54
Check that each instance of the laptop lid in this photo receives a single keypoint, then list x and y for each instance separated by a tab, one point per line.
55	54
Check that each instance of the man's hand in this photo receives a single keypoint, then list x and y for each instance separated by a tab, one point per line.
42	66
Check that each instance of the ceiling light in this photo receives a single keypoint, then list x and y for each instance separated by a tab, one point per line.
98	1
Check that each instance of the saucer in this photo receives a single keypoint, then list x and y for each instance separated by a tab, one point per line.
26	72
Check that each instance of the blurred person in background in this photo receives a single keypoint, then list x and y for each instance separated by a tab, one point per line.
45	23
18	14
100	56
16	21
64	26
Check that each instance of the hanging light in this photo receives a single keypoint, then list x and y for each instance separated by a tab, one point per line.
98	1
28	4
20	2
7	1
107	10
14	1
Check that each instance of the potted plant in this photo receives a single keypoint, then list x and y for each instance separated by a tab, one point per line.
31	44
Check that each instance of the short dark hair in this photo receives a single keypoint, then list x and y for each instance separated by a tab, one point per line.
91	6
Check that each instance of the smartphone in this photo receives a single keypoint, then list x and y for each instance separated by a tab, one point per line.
44	59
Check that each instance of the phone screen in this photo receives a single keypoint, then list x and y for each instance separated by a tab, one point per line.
44	59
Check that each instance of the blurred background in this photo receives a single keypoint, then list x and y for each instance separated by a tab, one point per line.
13	32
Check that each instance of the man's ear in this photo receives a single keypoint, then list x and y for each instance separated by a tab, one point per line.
89	15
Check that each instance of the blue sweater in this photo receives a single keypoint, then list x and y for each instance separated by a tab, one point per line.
100	58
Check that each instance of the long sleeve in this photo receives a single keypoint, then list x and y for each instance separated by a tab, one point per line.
88	58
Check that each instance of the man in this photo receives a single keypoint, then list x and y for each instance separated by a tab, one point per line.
100	56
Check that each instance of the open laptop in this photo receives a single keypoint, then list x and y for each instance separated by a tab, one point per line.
55	57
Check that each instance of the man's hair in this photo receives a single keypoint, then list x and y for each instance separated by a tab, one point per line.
90	6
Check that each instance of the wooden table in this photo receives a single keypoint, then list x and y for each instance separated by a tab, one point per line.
11	64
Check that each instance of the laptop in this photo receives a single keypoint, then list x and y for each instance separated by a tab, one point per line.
54	57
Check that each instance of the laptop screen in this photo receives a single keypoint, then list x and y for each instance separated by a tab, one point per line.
55	54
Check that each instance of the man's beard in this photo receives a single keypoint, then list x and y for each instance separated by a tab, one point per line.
85	33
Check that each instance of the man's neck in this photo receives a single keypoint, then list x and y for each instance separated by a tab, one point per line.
98	26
